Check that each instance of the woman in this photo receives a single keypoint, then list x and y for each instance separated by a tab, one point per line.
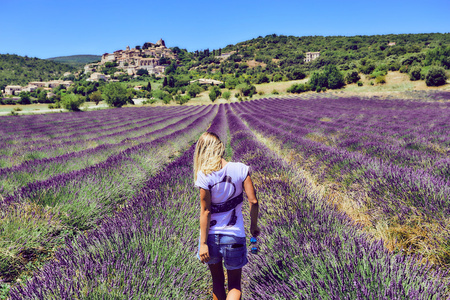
222	232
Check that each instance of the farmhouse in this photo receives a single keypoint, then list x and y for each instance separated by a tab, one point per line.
206	81
12	89
310	56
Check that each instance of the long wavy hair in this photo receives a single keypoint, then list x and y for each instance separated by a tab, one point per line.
208	154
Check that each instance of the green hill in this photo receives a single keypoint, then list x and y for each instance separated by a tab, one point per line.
19	70
77	61
281	54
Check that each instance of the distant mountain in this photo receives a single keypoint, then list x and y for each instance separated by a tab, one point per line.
19	70
76	61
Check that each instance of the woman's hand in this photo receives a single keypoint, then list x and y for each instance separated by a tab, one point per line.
255	231
204	253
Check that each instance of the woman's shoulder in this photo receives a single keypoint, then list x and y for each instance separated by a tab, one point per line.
237	164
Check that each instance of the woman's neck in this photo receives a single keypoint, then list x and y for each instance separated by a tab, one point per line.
224	162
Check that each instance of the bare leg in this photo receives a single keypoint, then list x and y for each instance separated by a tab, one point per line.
234	284
218	281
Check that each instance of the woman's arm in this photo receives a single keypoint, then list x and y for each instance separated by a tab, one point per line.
254	206
205	218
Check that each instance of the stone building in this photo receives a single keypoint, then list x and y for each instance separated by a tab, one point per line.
310	56
131	60
13	89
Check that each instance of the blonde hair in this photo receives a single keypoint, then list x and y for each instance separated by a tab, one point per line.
208	154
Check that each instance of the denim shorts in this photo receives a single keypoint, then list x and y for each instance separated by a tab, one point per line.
231	248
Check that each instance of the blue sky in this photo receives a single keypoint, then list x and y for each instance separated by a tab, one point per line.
49	28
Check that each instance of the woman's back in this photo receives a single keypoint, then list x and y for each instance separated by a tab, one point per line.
226	187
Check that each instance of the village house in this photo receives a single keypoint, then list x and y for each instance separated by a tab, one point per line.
34	85
29	88
310	56
39	84
97	76
392	44
12	89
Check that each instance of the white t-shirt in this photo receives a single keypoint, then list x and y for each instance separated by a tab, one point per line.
226	187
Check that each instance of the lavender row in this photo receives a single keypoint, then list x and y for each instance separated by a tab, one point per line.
74	202
394	118
41	169
128	256
39	124
82	134
309	250
398	191
69	187
381	142
51	149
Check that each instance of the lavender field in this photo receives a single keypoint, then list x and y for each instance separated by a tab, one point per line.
354	200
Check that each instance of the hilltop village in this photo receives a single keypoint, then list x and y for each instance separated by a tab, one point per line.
150	57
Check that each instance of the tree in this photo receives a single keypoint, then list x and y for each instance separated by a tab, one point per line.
352	77
96	97
141	72
115	94
149	87
436	76
171	69
72	102
318	80
193	90
42	97
24	98
164	82
334	77
215	93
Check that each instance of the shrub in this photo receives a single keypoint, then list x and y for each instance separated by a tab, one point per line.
414	73
352	77
360	83
296	74
226	95
380	79
246	89
9	101
394	66
436	76
403	69
277	77
275	92
262	78
72	102
298	88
